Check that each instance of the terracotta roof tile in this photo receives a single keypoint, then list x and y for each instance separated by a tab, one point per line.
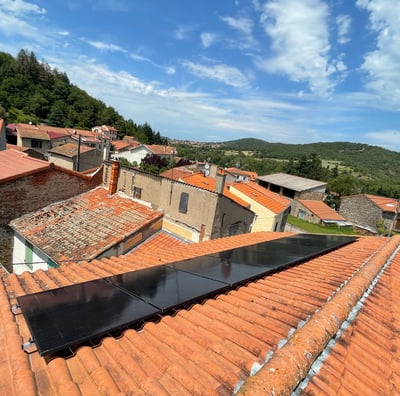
321	210
275	323
15	164
106	220
70	150
270	200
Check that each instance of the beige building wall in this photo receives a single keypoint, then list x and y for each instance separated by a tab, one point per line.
190	212
265	220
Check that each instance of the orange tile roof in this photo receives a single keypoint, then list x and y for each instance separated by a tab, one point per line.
208	183
385	203
70	150
321	210
237	171
161	149
259	339
15	164
121	144
83	227
274	202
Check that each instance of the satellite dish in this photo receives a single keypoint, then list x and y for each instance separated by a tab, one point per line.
206	172
207	166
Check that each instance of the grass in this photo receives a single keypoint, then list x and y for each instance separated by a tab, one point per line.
318	229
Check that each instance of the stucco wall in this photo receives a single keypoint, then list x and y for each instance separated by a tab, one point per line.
208	213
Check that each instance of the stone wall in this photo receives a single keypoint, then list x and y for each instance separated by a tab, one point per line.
361	211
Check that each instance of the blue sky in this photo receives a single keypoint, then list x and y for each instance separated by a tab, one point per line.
290	71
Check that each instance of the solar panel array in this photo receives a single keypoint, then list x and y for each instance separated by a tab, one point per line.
67	317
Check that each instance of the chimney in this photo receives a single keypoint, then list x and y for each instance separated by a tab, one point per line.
220	182
112	188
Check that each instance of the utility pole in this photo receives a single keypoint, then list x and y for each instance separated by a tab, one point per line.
78	157
396	213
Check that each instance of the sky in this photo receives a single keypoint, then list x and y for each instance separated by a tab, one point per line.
288	71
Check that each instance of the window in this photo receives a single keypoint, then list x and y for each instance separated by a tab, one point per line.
234	228
137	193
183	203
28	254
302	214
35	143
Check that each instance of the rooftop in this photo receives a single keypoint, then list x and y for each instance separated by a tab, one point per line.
70	150
292	182
321	210
83	227
274	202
15	164
261	338
385	203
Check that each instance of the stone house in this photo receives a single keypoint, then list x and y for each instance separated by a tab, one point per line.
366	212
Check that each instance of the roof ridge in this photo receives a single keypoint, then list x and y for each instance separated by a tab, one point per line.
290	364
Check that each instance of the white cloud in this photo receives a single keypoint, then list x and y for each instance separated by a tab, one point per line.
106	46
300	41
21	8
244	25
383	64
182	32
63	33
343	23
208	39
221	73
18	18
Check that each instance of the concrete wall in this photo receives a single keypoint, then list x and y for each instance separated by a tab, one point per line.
30	193
88	160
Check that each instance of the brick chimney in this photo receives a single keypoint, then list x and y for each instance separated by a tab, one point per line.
112	188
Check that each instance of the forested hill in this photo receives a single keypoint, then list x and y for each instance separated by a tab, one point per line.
373	162
31	91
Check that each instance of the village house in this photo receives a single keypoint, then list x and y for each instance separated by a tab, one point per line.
367	212
317	212
28	184
106	131
322	323
74	157
271	209
192	212
135	154
94	224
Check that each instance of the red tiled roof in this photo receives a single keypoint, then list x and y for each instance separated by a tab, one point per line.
160	149
15	164
70	150
321	210
274	202
385	203
176	173
84	226
260	339
237	171
208	183
120	144
33	133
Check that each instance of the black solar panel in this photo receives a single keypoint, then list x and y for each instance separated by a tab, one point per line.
165	287
69	316
75	314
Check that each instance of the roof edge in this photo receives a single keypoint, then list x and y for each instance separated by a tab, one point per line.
290	364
